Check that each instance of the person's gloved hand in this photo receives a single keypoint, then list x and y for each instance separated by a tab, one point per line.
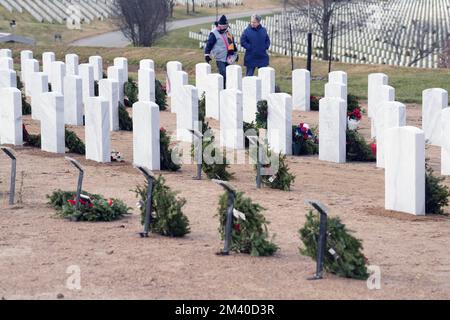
237	58
208	59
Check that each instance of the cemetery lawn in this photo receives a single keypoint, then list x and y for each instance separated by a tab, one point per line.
36	248
408	82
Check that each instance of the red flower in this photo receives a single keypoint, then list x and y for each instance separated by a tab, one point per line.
306	136
373	146
110	202
237	227
163	130
72	202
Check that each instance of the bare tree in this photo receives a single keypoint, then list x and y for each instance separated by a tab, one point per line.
171	4
324	13
142	21
444	59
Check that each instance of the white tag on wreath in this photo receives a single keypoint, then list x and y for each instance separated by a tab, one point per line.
239	215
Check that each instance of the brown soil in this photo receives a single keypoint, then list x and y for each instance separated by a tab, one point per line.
36	248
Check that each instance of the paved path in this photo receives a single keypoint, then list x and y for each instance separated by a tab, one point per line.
116	39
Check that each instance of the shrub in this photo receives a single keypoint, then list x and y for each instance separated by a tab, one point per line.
131	91
249	236
167	216
348	260
166	153
261	114
357	148
161	95
436	194
125	121
92	207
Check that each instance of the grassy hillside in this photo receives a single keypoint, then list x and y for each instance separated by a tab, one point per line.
408	82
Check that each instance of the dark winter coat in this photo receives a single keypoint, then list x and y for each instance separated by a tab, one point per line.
256	42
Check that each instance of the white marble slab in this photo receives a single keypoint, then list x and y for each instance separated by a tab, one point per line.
11	117
214	85
5	53
47	60
445	149
231	119
301	90
338	77
97	64
39	82
333	129
434	101
72	63
147	64
189	115
234	77
86	71
116	73
179	80
146	83
146	135
6	63
202	70
385	94
98	144
279	123
57	75
267	76
252	94
51	112
73	100
109	90
171	67
8	78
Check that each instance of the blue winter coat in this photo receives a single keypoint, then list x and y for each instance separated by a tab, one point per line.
256	42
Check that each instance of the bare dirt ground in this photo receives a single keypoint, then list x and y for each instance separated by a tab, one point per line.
36	248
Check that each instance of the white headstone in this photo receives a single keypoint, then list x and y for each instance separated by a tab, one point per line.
405	170
202	70
376	80
116	73
30	66
122	63
87	75
5	53
39	86
279	123
434	100
251	93
47	60
231	119
72	62
6	63
97	64
8	78
390	115
146	82
51	112
98	145
171	67
445	150
234	77
24	55
179	80
336	90
301	90
147	64
11	116
385	94
146	135
267	76
73	100
186	120
57	75
338	77
214	84
333	129
109	90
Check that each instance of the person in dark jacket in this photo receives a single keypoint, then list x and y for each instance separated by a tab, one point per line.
221	46
256	42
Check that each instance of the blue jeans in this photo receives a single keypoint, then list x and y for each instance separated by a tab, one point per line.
222	66
251	71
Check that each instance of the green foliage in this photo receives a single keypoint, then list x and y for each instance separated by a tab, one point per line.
304	146
249	236
131	91
125	121
436	194
202	113
357	148
247	128
98	209
74	144
314	103
26	107
167	215
261	114
283	179
166	153
349	262
161	95
353	103
218	169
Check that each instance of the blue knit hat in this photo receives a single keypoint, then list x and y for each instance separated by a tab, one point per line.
223	21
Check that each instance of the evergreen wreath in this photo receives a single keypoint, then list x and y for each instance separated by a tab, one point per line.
166	152
343	255
125	121
250	234
436	193
92	208
167	215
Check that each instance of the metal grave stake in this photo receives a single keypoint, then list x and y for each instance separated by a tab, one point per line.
80	180
12	187
322	237
230	213
198	150
148	208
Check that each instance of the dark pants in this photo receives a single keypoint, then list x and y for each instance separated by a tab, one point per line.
222	66
251	71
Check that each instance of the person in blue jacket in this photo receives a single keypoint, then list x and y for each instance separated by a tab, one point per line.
256	42
221	46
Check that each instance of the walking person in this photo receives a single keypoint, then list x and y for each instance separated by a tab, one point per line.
256	42
222	47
